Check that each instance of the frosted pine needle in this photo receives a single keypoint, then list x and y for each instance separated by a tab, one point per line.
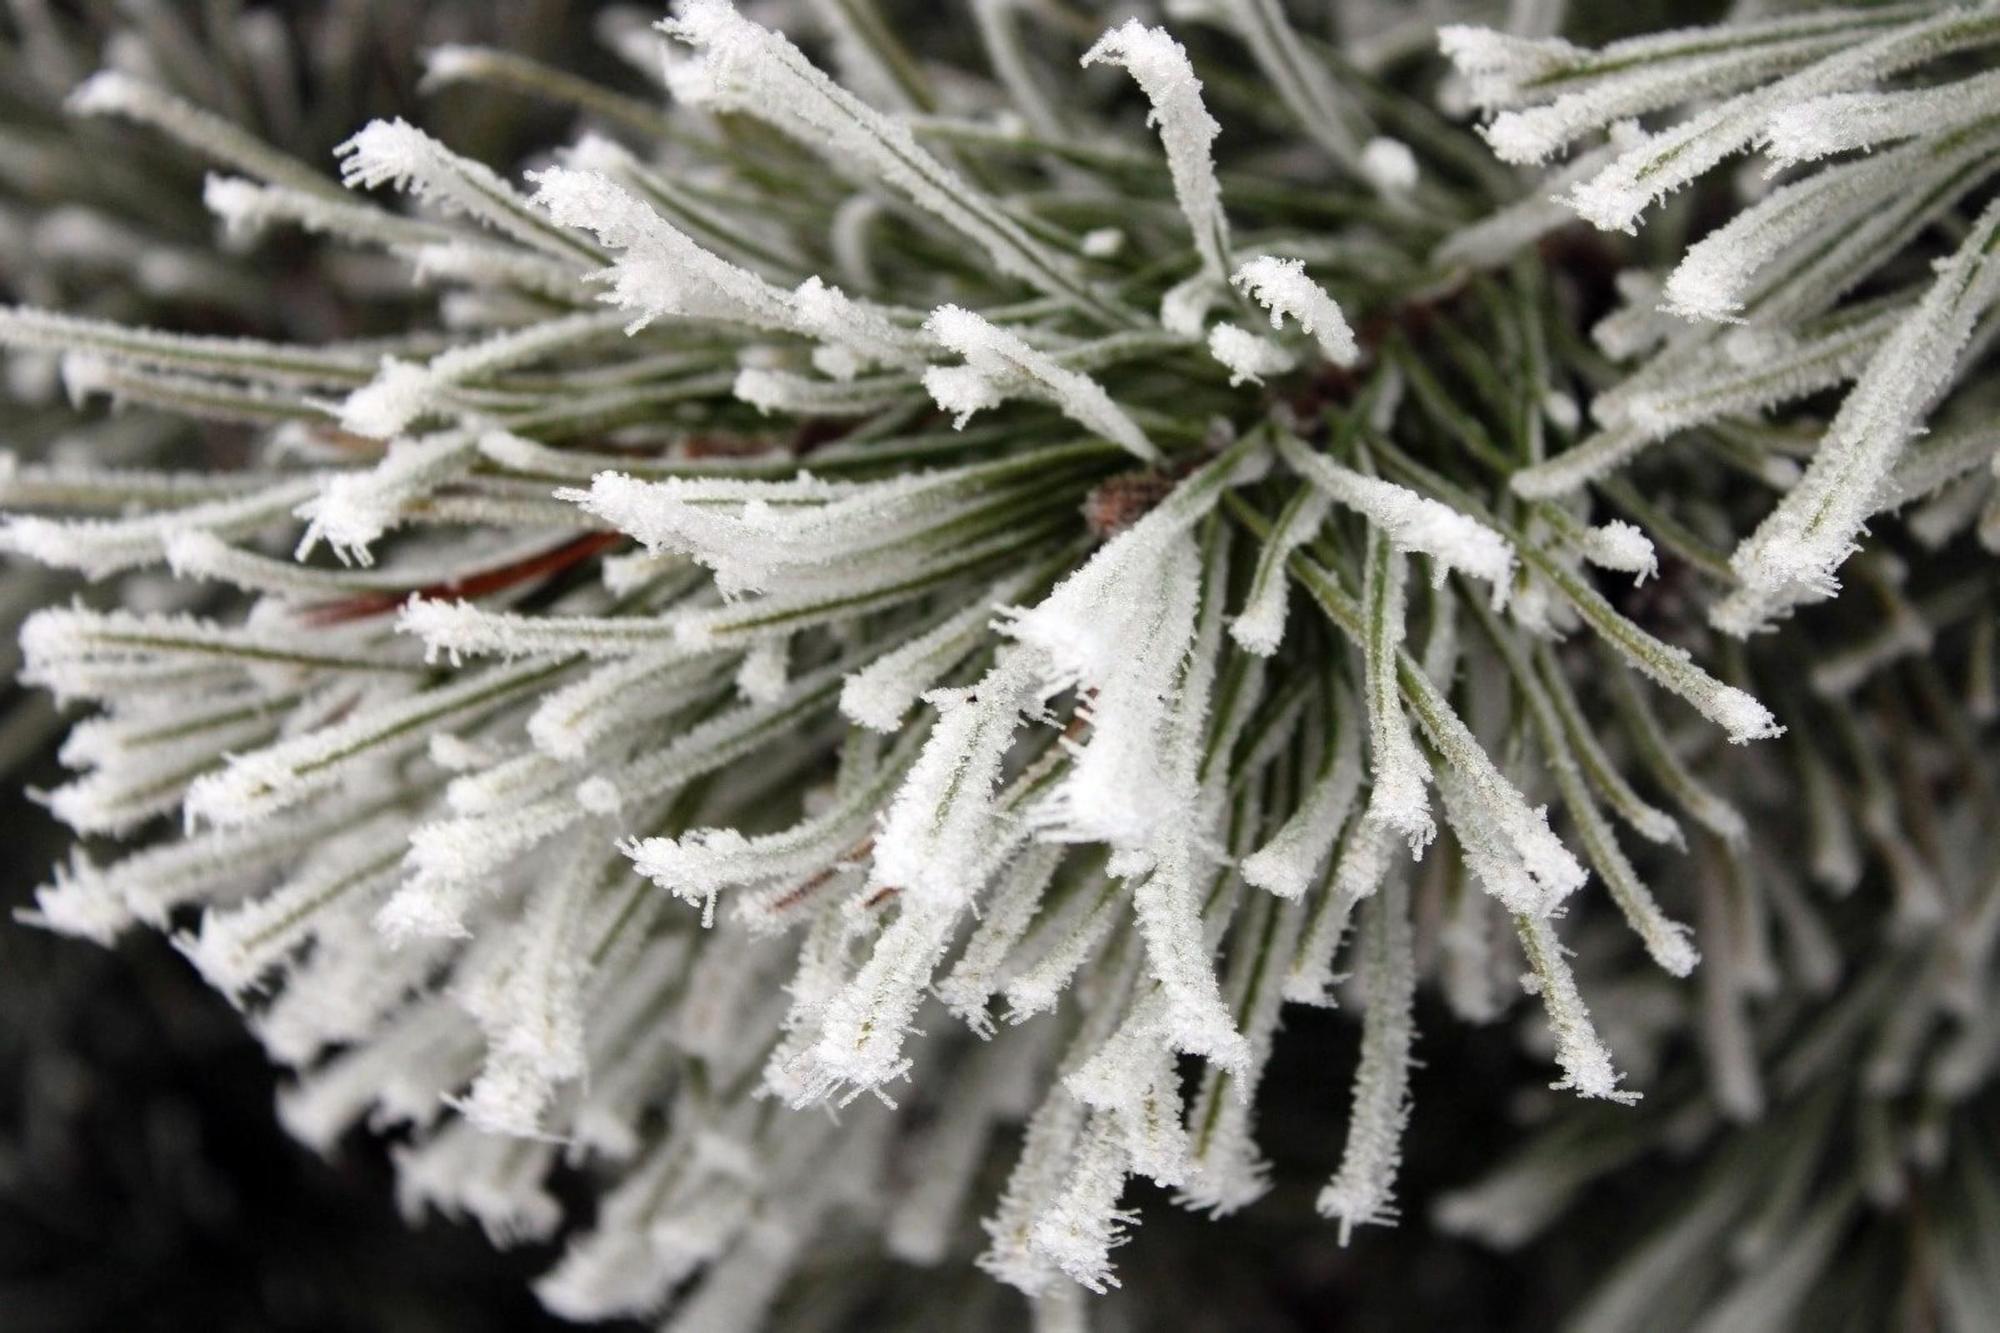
1160	66
1282	287
1363	1190
1001	364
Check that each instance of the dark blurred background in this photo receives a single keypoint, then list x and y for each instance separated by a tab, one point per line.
144	1183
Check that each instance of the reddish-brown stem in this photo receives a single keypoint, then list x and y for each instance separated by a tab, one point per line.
480	584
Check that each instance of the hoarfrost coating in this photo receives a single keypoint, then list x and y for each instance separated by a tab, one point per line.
957	579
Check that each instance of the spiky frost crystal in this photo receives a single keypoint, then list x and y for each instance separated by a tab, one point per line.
985	555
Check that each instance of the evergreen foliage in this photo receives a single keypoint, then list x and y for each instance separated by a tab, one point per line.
952	562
